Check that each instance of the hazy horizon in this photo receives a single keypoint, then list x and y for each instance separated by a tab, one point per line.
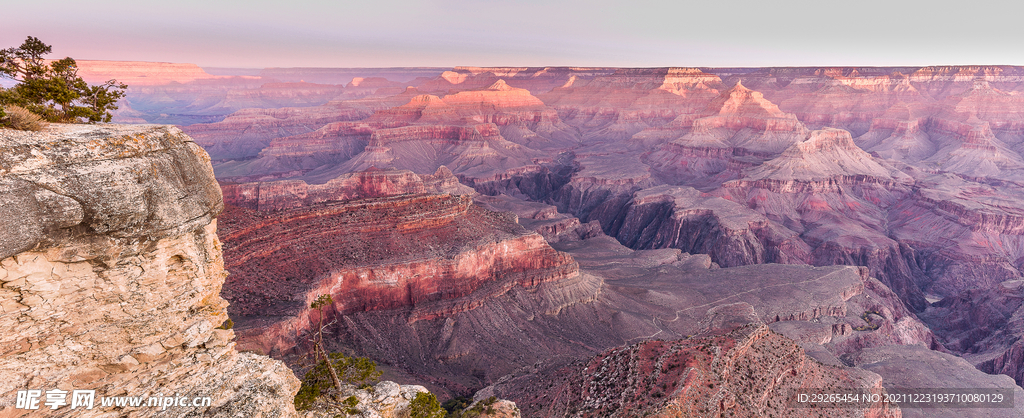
489	33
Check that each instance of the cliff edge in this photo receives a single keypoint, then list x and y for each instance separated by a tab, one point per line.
110	275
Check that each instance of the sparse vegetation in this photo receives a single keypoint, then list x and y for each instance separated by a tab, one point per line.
350	404
53	90
317	381
480	408
425	405
457	404
333	369
228	324
870	325
17	117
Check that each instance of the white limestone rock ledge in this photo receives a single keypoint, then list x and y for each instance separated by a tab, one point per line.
110	276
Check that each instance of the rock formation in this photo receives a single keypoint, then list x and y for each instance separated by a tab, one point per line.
283	194
434	254
111	274
748	371
462	284
479	134
383	400
136	73
246	132
912	172
616	105
740	122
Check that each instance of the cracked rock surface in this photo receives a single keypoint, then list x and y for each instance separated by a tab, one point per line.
110	275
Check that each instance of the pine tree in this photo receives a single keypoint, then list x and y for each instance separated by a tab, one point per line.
53	89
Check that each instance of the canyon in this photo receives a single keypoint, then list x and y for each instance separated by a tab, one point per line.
500	230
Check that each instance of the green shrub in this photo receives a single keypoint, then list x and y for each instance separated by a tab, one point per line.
425	405
317	381
478	409
457	404
227	324
349	405
17	117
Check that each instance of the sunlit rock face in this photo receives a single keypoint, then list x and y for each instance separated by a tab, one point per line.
111	274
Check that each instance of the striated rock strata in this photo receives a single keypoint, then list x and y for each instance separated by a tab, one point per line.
110	274
434	254
282	194
457	296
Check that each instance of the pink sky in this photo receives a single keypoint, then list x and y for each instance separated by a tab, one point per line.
446	33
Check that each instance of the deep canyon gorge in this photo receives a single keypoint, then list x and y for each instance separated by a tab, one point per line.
581	241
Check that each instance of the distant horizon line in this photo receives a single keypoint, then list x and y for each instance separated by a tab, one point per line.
561	66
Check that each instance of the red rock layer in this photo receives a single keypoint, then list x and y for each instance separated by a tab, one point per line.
371	254
277	195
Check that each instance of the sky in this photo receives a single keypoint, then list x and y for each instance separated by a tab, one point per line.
446	33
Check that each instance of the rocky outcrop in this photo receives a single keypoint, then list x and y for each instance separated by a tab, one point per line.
384	400
746	371
824	154
739	117
111	272
737	130
900	134
498	94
